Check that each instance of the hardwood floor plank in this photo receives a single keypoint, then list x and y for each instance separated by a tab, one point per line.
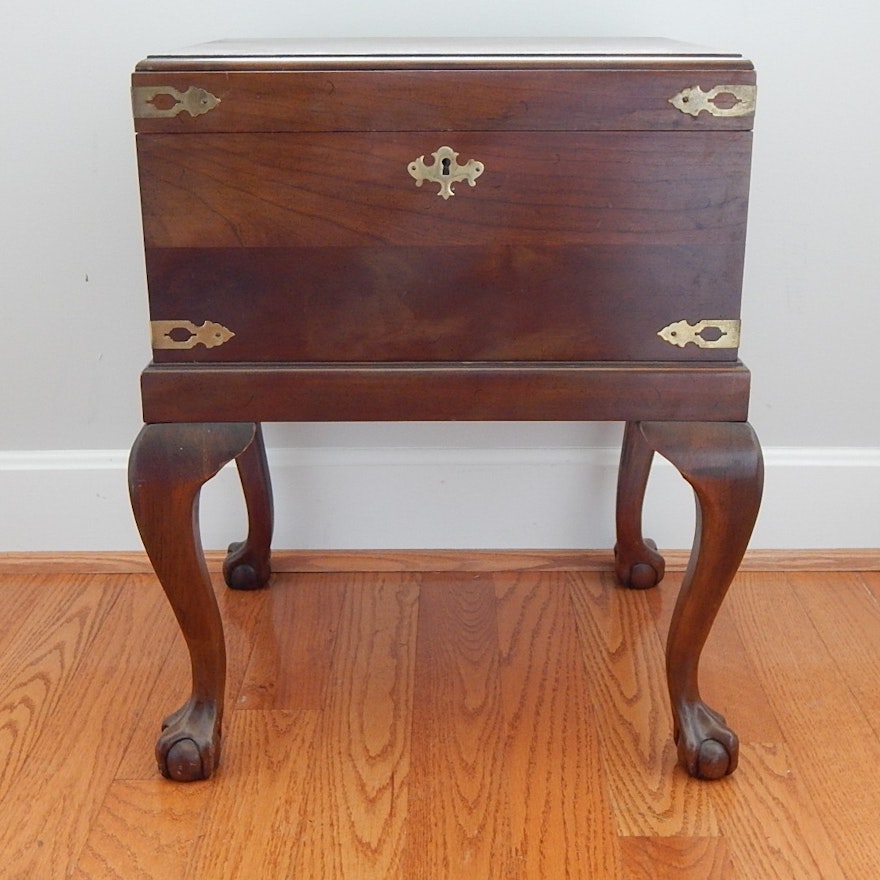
40	657
358	788
871	580
846	615
727	677
560	807
145	830
81	742
835	746
241	612
257	817
459	823
681	858
771	824
17	594
624	658
293	647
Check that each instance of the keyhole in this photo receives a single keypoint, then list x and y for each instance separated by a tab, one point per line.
711	334
180	334
445	163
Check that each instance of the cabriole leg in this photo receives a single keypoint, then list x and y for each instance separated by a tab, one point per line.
637	563
247	566
722	462
169	463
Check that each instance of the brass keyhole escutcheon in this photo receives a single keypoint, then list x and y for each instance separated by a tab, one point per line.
445	170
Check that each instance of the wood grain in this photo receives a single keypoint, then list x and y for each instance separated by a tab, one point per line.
126	841
291	662
331	561
559	800
471	724
40	657
823	721
458	806
855	611
15	594
260	825
623	654
357	790
241	613
80	742
727	675
436	392
418	100
773	828
481	301
684	858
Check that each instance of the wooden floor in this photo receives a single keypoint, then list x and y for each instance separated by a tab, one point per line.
440	725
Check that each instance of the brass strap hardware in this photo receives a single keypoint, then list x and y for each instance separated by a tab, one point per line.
445	171
719	334
152	102
188	335
720	101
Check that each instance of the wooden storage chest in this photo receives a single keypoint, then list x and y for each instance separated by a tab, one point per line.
444	230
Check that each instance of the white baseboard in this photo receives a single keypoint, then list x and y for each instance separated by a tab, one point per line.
430	498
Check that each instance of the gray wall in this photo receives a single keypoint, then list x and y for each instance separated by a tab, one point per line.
74	313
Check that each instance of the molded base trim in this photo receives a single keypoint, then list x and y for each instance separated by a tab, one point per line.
305	561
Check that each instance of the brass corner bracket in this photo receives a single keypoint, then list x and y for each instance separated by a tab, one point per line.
166	102
184	334
720	333
720	101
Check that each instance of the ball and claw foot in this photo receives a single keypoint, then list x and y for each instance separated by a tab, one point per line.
189	746
707	747
245	570
639	571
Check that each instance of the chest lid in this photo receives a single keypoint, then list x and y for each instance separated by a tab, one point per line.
599	84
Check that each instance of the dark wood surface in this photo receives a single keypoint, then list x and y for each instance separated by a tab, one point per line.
353	189
723	463
440	392
247	564
411	304
168	466
321	247
444	100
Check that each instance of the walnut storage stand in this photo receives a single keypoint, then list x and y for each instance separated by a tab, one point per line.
435	230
